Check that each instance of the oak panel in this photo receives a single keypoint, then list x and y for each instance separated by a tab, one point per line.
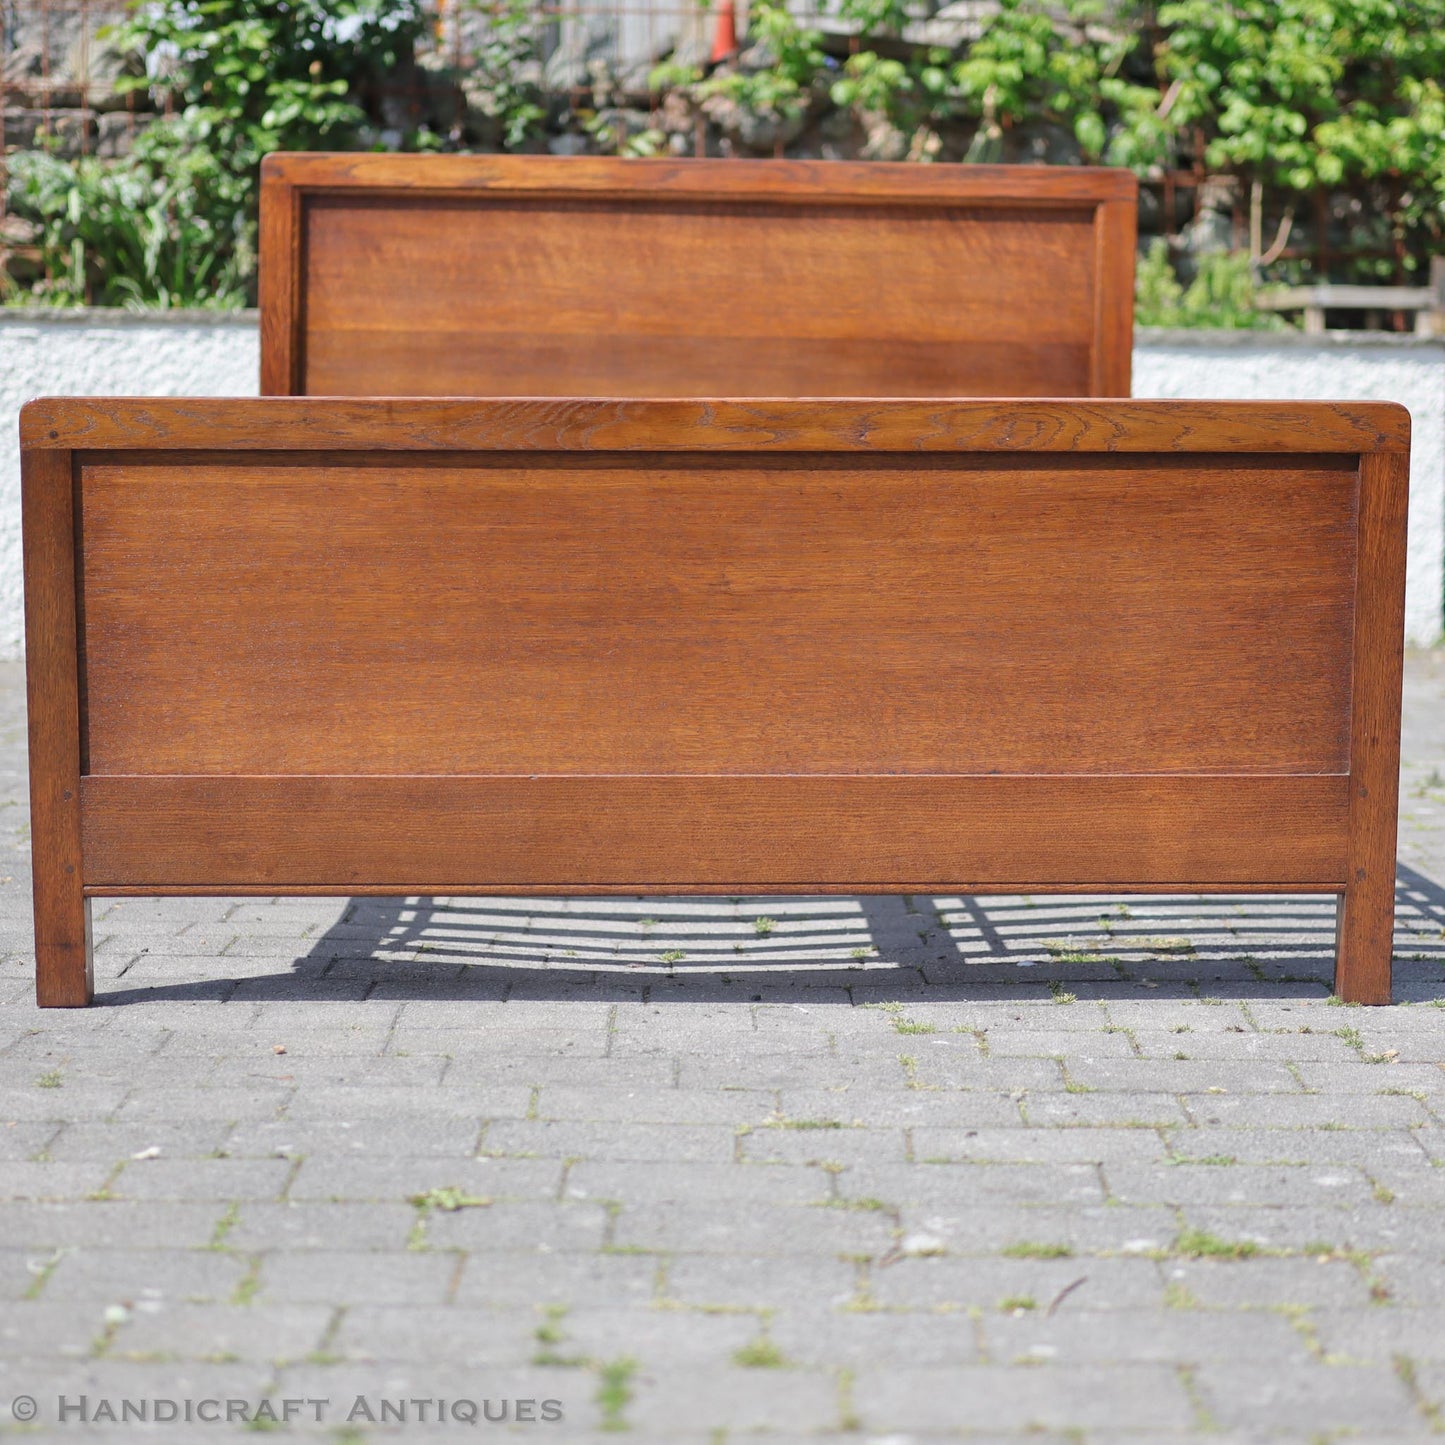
508	276
363	360
424	298
537	268
656	834
825	615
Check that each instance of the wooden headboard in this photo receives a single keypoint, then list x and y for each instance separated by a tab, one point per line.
386	275
713	647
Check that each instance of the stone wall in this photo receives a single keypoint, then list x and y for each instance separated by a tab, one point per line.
58	77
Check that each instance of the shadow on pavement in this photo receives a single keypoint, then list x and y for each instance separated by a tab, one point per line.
829	949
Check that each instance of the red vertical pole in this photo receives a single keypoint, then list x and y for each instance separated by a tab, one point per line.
725	38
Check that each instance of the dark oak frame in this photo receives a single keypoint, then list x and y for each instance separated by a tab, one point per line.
292	182
141	832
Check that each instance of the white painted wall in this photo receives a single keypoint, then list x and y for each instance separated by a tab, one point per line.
116	354
103	353
1340	366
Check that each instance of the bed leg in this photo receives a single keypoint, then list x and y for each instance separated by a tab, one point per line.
64	971
52	683
1364	939
1366	926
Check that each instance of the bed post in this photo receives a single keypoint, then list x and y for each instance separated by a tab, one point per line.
1111	361
280	278
63	973
1365	929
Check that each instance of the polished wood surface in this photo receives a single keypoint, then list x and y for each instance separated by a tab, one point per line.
607	646
1367	905
542	276
303	424
707	615
765	833
63	968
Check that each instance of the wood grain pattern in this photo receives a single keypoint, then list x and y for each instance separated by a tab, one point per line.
1367	906
800	181
473	361
63	969
702	890
769	834
280	243
473	425
508	276
720	616
1115	234
713	646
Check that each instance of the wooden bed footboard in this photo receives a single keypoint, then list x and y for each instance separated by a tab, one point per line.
569	647
449	275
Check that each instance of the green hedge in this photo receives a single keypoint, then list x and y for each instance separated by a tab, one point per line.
1328	116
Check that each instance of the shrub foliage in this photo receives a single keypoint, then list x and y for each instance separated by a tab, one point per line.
1324	121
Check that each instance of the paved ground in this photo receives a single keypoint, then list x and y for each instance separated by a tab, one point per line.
868	1169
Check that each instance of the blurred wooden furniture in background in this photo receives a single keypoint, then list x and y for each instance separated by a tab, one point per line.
1426	302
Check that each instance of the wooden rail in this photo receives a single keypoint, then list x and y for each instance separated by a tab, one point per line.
1427	302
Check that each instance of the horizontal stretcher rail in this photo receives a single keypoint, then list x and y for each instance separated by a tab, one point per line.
438	833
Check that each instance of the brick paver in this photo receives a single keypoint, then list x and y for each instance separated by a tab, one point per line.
903	1170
